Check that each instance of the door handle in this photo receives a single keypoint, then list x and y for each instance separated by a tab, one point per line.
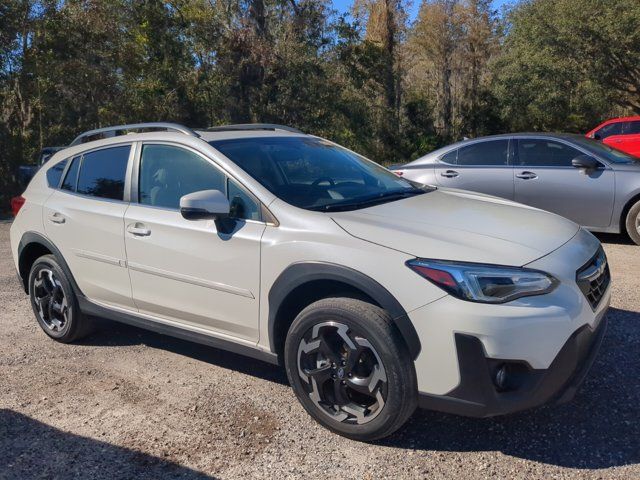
139	230
527	175
56	217
450	174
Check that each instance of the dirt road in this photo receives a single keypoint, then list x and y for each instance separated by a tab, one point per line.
126	403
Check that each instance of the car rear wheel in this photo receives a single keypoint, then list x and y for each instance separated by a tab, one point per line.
633	223
350	368
54	303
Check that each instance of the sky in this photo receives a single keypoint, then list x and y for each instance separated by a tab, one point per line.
345	5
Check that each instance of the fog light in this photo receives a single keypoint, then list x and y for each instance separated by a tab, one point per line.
501	378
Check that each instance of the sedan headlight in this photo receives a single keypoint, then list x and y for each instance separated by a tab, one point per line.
477	282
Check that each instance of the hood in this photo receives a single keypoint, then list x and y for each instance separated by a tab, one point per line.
459	225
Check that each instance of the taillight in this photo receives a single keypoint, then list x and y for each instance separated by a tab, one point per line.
16	204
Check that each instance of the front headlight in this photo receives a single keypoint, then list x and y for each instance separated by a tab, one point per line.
477	282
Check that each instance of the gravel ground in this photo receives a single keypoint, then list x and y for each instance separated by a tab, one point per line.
126	403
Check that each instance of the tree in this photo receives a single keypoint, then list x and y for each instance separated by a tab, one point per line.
567	64
450	47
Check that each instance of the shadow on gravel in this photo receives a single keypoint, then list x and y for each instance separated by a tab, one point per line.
113	334
31	449
600	428
614	238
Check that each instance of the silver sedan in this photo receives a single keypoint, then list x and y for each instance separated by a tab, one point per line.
573	176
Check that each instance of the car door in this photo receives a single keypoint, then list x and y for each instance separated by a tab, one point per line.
545	178
629	140
481	166
84	219
185	271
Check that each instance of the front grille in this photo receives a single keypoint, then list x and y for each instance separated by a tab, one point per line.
594	278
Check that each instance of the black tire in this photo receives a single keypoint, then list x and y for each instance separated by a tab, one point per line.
632	223
395	385
60	315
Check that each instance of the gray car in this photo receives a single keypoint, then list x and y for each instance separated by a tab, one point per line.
576	177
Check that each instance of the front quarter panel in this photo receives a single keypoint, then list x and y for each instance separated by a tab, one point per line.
314	237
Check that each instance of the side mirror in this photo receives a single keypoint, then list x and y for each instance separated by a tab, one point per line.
585	162
596	136
208	205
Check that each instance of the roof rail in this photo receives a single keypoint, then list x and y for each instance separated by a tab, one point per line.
253	126
108	132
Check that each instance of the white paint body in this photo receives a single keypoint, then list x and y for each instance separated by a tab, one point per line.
186	274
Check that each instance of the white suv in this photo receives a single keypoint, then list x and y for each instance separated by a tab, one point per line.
377	294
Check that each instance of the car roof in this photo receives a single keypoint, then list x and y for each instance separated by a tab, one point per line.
622	119
558	135
210	136
468	141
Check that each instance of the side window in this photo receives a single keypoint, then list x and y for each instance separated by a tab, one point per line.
492	153
632	128
54	174
545	153
450	157
608	130
71	179
167	173
102	172
242	204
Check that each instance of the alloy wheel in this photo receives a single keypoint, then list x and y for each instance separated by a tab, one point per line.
50	300
343	373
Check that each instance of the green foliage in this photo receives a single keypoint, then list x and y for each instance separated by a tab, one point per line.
377	84
568	64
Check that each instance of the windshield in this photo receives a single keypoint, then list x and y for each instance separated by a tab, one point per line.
605	151
315	174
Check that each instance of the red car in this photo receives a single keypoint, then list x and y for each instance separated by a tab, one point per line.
621	133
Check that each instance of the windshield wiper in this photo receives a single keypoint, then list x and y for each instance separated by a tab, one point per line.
368	201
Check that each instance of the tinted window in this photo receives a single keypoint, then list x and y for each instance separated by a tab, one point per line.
450	157
604	150
71	178
242	205
315	174
608	130
167	173
54	174
494	152
632	127
102	173
541	153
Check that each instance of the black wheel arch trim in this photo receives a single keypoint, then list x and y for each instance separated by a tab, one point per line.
29	238
297	274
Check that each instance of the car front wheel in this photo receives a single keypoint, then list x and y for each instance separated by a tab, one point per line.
350	368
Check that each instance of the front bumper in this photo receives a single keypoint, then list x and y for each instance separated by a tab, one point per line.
545	341
477	394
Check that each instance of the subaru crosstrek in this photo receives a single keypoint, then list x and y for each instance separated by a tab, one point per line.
376	294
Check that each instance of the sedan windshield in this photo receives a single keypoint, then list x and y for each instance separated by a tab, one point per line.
315	174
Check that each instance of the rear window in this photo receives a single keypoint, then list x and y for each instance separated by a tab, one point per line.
103	172
54	174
